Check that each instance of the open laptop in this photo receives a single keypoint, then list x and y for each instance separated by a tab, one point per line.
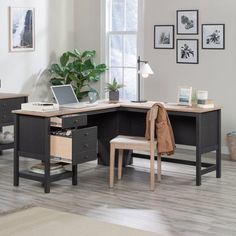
65	96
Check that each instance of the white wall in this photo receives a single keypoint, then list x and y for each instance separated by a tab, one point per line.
216	71
54	33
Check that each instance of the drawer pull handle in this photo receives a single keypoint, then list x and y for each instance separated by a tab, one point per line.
76	121
86	145
86	134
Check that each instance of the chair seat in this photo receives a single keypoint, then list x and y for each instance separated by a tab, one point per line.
131	142
123	142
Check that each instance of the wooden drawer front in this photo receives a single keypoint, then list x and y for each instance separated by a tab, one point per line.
6	106
85	157
61	147
69	121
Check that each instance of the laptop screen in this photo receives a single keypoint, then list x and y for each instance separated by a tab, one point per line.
64	94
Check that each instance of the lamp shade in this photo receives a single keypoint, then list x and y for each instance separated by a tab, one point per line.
146	70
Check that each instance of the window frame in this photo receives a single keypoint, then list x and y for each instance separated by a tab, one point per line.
105	40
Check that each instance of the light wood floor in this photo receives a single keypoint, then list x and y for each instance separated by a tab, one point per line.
176	207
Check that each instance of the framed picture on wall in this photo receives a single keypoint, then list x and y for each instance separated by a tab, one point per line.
163	36
184	95
187	21
213	36
187	51
21	29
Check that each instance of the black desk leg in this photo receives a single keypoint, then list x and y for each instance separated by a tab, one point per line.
0	131
218	151
74	174
198	151
47	176
198	168
16	156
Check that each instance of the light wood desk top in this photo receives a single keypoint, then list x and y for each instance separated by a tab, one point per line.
103	105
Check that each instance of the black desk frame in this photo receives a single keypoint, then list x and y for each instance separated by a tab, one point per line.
202	130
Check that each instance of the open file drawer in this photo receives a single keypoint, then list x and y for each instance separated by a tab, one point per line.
69	121
80	147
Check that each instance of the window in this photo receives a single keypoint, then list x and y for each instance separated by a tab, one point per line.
122	35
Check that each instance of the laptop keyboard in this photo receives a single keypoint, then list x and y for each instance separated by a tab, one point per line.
79	105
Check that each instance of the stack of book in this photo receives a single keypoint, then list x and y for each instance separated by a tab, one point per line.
55	168
208	103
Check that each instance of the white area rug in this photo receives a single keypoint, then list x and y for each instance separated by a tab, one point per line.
38	221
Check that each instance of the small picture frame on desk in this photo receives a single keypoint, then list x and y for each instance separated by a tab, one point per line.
184	95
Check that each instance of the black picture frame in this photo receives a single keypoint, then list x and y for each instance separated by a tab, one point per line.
190	48
166	31
187	22
210	35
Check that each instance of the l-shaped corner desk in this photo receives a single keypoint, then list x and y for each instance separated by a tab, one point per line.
93	128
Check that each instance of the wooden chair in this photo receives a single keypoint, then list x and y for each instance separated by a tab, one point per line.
122	142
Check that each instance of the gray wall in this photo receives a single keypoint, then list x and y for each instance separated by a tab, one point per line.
88	27
216	71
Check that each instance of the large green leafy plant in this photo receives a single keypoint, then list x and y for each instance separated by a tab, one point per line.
78	69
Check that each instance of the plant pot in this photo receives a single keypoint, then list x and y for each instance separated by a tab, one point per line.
114	96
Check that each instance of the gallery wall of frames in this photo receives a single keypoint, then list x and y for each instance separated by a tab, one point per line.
188	37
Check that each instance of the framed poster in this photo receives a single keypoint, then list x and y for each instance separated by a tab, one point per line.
187	51
21	29
187	21
163	36
213	36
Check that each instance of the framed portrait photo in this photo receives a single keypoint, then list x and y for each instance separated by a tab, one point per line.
187	51
21	29
184	95
187	21
213	36
163	36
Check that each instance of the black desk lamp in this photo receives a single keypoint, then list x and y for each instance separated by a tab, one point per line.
144	70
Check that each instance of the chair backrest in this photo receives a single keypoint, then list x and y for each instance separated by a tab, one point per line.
152	119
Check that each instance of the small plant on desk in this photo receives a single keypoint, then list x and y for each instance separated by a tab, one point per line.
113	89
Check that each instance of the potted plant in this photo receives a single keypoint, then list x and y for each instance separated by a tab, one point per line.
78	69
113	89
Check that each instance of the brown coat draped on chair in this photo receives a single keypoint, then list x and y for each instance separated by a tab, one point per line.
164	132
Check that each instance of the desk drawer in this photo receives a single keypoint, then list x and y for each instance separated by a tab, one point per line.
69	121
77	148
87	134
86	156
6	106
